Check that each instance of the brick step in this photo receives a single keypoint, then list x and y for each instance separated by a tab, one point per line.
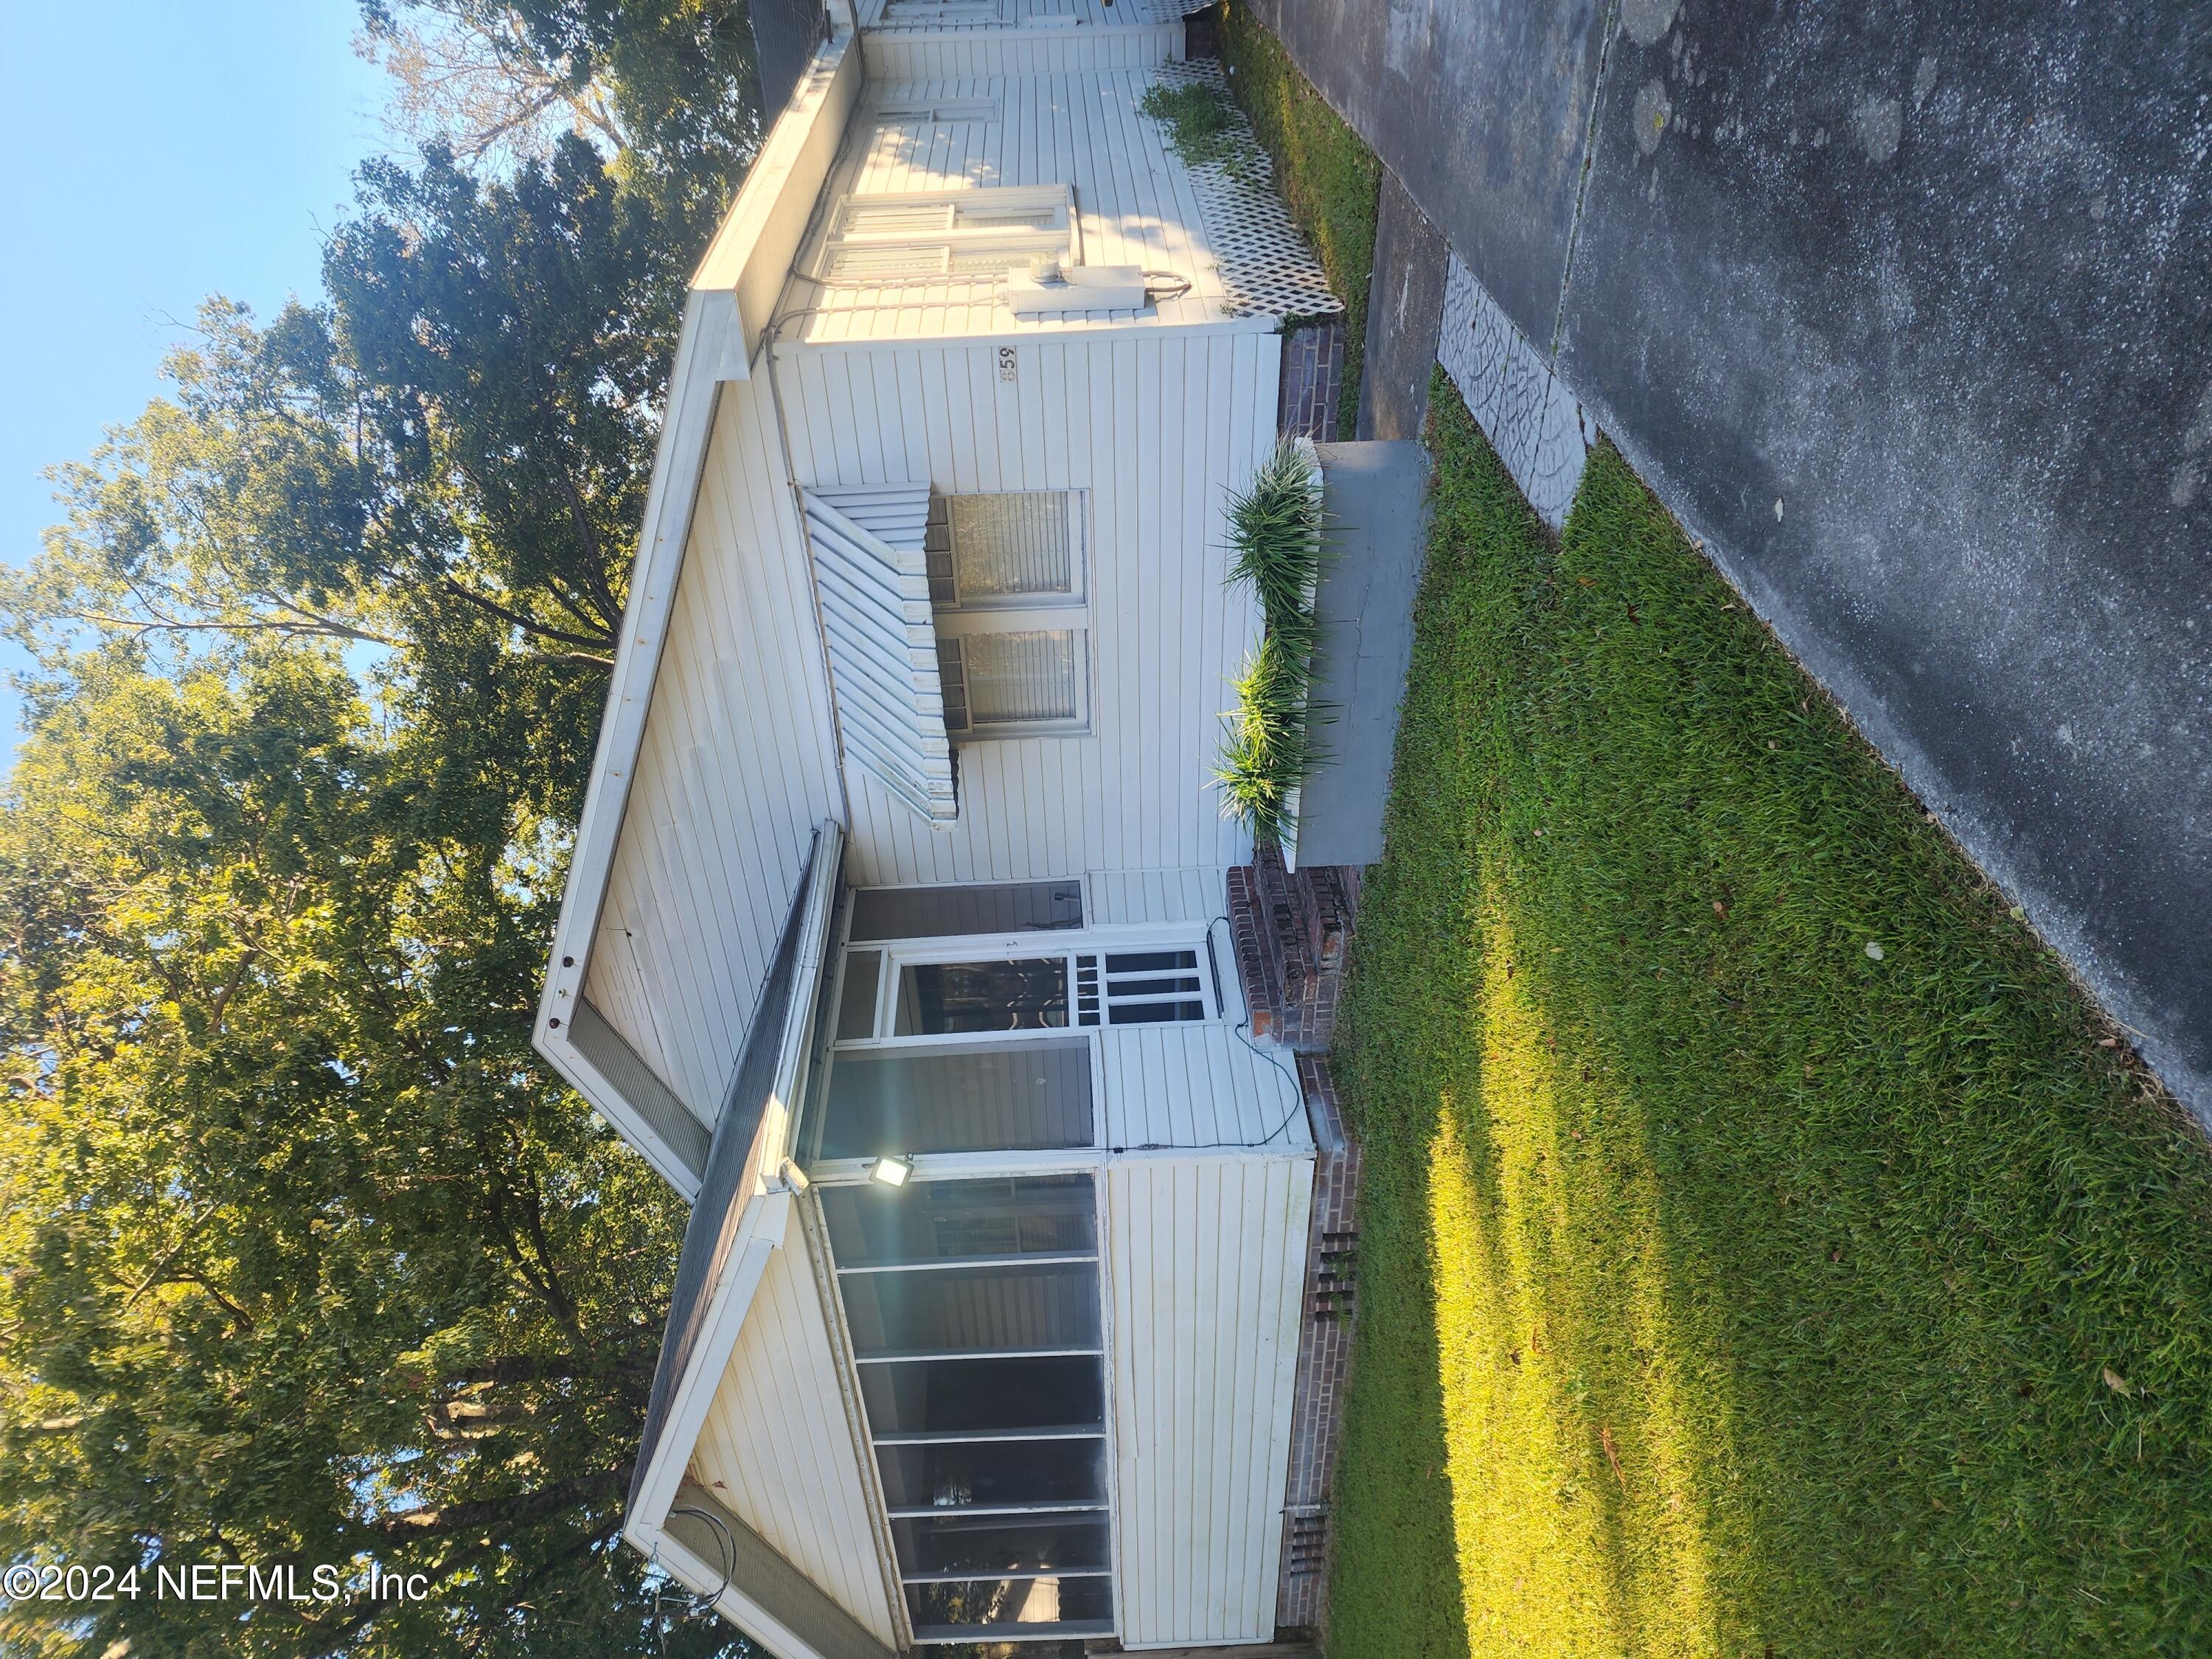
1292	933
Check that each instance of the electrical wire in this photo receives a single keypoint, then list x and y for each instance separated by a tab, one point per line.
695	1606
1273	1057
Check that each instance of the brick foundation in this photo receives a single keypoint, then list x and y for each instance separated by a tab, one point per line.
1324	1354
1313	379
1293	933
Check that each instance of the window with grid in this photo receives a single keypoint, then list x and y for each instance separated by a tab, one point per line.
1006	584
981	231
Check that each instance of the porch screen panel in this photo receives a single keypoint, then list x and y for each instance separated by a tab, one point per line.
1014	907
996	1096
1021	1217
991	1442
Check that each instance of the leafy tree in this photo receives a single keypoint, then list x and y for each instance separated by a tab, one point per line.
669	89
304	1256
309	1260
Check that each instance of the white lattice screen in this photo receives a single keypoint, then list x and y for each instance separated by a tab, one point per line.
1266	267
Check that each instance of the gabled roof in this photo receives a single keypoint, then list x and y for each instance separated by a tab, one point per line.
725	315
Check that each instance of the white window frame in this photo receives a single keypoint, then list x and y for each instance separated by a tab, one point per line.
925	13
959	618
912	252
898	113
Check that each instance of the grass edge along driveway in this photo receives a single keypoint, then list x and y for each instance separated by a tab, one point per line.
1759	1254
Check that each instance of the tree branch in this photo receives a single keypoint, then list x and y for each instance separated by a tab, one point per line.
516	618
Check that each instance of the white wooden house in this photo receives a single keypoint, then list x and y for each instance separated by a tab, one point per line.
895	935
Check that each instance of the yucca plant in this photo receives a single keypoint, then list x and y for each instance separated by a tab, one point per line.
1274	540
1266	748
1275	543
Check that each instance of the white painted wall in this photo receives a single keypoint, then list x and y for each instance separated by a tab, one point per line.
1200	1085
1156	426
1077	126
1206	1274
1122	897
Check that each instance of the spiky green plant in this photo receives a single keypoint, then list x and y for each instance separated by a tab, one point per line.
1274	540
1267	751
1205	128
1275	543
1203	125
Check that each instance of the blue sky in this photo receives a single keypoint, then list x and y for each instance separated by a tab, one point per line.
173	150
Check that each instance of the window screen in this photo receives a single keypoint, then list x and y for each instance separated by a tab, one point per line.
997	1096
1009	548
1013	907
1023	677
953	999
1011	545
856	1011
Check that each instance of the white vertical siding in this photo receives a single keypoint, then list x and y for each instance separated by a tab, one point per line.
736	767
1207	1273
1115	897
776	1448
1156	428
1200	1085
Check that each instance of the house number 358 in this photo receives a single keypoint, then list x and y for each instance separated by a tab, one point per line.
1006	364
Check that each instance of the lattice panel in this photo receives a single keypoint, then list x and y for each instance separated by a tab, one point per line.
1168	11
1266	268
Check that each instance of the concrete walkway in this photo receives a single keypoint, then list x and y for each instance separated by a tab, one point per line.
1907	312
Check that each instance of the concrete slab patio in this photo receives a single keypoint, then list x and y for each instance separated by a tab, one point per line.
1374	495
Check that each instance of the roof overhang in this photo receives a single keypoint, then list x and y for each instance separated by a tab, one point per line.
742	1213
726	314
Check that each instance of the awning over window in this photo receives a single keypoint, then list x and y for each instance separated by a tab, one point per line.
874	575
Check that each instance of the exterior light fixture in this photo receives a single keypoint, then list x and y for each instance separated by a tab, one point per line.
891	1171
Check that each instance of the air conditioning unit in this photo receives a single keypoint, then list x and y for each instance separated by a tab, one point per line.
1077	291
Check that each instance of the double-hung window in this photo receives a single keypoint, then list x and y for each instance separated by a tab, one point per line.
981	231
1006	587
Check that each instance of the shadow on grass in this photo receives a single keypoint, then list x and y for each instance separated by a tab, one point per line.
1725	1281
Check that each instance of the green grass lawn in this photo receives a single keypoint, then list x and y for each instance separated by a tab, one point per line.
1329	178
1759	1253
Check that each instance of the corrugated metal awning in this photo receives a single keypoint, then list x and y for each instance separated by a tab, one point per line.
870	571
